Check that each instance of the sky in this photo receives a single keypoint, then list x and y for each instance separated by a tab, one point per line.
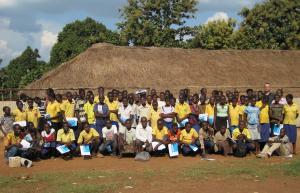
36	23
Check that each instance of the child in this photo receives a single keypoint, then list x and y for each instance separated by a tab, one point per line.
264	120
188	139
6	122
206	138
109	133
127	139
252	118
291	113
49	142
159	134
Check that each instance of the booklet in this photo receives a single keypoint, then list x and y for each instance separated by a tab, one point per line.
63	149
21	123
182	123
173	149
194	147
277	128
85	150
72	121
25	144
161	147
203	117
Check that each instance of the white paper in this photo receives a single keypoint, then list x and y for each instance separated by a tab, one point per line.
85	150
72	121
203	117
173	150
100	110
161	147
25	144
194	148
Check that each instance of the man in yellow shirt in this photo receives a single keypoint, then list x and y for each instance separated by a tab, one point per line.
242	135
290	113
182	109
65	136
113	109
12	144
189	141
33	114
53	112
154	114
19	114
89	136
235	114
68	107
101	93
159	138
89	110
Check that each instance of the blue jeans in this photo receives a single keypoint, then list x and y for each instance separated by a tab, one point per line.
13	151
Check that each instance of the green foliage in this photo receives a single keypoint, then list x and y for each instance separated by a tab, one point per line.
273	24
214	35
19	67
76	37
156	22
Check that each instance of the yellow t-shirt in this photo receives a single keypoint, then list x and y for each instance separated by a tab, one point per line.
89	111
159	134
210	110
84	136
234	113
236	132
242	109
69	108
96	99
264	114
182	109
290	113
258	103
65	137
33	115
188	137
112	106
53	108
154	116
11	139
19	115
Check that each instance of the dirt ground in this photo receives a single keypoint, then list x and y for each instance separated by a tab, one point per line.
160	174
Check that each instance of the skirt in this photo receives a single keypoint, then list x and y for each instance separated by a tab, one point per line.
221	121
291	132
264	132
254	132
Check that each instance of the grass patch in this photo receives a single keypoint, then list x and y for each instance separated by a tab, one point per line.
291	168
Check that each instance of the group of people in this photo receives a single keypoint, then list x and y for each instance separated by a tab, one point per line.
120	123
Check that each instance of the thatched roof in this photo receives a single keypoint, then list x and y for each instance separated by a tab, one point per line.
117	66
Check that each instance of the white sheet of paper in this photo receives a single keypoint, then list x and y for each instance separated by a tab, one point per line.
25	144
194	148
161	147
21	123
203	117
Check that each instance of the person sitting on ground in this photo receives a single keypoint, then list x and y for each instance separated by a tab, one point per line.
89	136
12	144
127	139
242	135
109	134
159	135
49	142
223	141
65	136
279	144
6	122
174	134
188	140
33	137
143	136
206	138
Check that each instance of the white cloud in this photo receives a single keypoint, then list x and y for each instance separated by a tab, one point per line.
7	3
48	39
5	51
218	16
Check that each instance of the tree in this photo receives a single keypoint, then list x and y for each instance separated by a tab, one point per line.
34	74
77	36
21	65
273	24
214	35
156	22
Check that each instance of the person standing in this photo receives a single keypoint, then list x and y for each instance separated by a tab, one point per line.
291	113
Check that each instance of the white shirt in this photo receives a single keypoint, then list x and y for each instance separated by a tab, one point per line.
129	135
143	134
44	133
125	113
161	103
166	110
108	134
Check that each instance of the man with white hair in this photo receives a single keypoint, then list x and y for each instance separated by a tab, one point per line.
268	93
